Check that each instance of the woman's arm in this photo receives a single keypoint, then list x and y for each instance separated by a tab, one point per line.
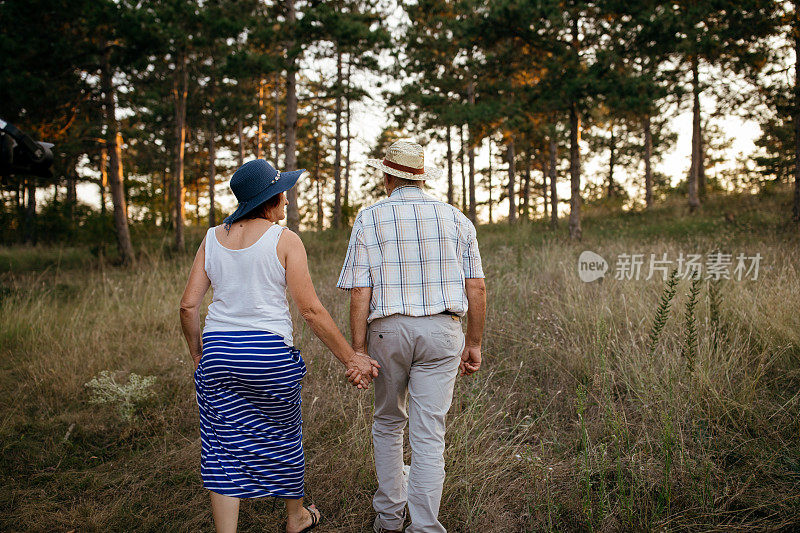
301	288
196	288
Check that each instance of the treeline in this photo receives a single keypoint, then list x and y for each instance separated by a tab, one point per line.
535	76
151	101
150	93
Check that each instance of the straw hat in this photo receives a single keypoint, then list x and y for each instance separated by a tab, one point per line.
405	159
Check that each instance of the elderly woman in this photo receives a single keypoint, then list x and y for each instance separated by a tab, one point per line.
247	370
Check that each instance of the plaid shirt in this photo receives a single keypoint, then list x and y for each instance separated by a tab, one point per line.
415	252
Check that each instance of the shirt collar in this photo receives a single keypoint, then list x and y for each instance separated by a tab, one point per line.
406	192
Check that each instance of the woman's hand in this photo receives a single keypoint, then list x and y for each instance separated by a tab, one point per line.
196	358
361	369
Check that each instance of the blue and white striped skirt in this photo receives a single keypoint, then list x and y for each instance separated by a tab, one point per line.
248	392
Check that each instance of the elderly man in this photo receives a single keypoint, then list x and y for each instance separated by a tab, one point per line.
413	269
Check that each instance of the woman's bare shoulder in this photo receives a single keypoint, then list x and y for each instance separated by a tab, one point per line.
290	238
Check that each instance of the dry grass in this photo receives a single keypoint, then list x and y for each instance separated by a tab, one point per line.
571	425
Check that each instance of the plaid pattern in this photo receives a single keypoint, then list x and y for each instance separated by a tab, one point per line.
415	252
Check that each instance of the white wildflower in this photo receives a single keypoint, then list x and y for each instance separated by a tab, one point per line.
105	389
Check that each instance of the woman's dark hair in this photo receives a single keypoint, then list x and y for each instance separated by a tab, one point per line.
264	208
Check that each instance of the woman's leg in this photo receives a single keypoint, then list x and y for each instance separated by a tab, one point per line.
226	512
298	517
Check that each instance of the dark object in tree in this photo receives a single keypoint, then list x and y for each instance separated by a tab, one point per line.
20	154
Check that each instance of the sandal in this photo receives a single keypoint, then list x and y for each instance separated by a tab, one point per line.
314	519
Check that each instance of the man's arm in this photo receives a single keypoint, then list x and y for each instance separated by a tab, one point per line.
476	318
359	311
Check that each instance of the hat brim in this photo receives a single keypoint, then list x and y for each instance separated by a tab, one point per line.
285	181
431	173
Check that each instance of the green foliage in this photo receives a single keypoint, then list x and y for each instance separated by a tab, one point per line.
689	350
662	312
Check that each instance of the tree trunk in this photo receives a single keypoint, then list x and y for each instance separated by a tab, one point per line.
103	178
125	185
648	156
212	172
551	149
701	169
180	93
512	183
115	164
449	167
337	150
526	189
166	187
545	192
72	193
796	203
290	158
319	205
574	173
347	138
318	179
260	134
611	161
491	202
277	122
197	203
212	157
30	234
694	171
463	172
473	212
240	135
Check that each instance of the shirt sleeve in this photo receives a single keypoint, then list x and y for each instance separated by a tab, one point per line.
355	271
472	256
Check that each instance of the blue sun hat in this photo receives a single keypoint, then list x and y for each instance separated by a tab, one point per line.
255	182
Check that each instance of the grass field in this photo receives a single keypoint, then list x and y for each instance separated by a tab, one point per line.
584	417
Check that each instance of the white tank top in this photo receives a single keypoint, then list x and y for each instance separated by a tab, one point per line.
249	287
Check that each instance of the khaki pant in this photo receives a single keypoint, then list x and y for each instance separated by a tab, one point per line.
419	358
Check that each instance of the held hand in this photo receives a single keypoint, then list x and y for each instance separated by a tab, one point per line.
361	370
196	358
470	360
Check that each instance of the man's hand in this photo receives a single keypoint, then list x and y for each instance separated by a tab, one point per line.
196	358
361	370
470	360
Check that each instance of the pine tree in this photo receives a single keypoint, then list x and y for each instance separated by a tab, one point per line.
353	28
729	35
